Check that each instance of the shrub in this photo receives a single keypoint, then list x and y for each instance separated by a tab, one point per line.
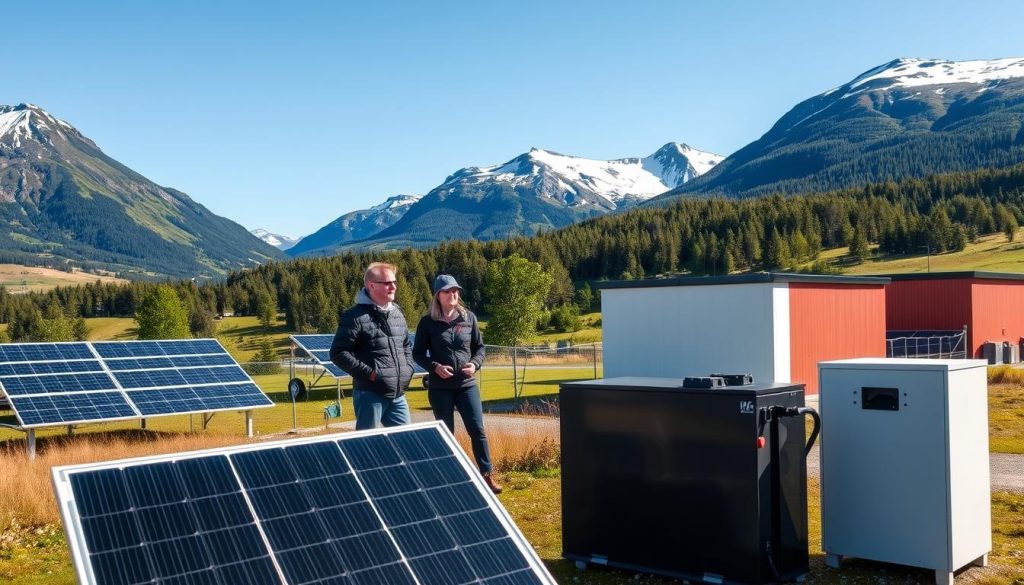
566	319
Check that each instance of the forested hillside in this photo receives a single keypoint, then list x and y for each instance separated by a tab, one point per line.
909	118
698	236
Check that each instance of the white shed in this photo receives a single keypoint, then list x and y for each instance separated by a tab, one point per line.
775	326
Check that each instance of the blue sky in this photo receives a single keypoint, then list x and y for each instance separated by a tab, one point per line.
284	116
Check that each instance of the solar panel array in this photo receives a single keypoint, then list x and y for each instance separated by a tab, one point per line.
319	348
70	383
387	507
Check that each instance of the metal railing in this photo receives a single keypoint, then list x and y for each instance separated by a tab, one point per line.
950	346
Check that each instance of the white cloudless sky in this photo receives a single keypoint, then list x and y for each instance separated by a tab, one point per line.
286	115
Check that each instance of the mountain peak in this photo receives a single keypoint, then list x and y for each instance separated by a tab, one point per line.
77	204
913	72
30	122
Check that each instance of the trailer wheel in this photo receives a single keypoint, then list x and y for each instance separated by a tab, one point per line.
297	389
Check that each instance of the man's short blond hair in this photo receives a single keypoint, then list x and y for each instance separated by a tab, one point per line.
376	268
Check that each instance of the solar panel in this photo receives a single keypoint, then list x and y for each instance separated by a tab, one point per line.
319	348
70	383
382	507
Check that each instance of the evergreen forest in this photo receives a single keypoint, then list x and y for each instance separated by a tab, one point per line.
697	236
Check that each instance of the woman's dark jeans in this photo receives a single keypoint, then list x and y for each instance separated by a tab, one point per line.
444	402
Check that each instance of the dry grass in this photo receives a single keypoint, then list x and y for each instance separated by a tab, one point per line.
1006	375
27	489
527	444
26	486
18	278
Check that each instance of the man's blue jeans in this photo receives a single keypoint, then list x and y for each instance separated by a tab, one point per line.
372	409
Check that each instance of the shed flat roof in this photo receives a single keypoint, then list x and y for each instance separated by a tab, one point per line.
751	278
952	275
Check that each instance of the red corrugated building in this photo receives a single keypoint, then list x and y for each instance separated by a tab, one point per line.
772	325
989	304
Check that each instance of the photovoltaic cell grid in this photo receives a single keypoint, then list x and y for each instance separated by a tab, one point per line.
68	383
387	507
319	348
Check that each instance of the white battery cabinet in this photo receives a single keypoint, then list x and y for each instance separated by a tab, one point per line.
905	463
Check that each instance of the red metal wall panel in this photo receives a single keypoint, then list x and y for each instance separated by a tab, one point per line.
832	322
998	312
942	304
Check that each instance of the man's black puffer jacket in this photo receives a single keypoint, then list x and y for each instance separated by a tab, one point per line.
453	344
371	340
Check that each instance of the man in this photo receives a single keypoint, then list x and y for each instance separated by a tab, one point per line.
372	345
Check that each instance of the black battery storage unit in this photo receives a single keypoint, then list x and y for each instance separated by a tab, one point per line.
703	484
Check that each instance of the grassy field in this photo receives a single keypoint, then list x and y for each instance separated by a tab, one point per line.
990	253
1006	418
21	279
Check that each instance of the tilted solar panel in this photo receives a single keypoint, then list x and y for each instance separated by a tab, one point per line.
319	348
70	383
383	507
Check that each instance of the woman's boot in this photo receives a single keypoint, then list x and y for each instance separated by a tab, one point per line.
489	480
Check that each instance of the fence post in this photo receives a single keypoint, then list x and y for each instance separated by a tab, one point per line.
515	386
595	361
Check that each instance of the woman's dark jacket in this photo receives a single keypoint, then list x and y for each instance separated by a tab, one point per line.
454	344
371	340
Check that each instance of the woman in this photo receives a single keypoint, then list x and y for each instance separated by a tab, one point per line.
450	348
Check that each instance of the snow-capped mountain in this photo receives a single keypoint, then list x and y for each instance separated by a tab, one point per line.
925	72
63	200
535	191
355	225
276	240
576	181
905	118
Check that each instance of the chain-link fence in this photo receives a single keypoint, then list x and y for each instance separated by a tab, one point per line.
514	379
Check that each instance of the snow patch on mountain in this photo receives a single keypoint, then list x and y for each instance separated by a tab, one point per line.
564	177
925	72
16	123
278	241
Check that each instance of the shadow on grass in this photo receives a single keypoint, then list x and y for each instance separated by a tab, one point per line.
853	571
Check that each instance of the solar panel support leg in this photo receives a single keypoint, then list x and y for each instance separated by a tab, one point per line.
248	423
143	424
31	440
295	420
207	417
71	430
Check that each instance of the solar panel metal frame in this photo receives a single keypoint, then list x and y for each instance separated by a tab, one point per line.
328	365
75	536
331	368
123	391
